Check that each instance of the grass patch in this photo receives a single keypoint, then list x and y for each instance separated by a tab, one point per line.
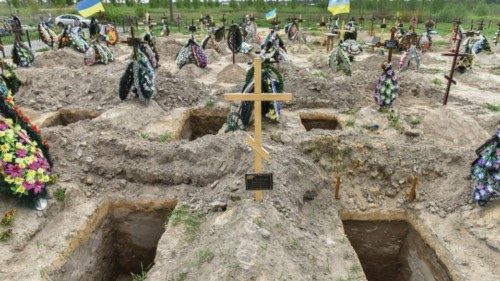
320	74
394	121
8	218
181	277
141	276
43	50
209	103
60	194
496	70
144	135
492	107
415	121
350	122
166	137
192	220
6	235
437	82
204	256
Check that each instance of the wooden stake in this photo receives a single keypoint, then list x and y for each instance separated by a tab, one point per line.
393	34
337	188
413	192
257	97
455	56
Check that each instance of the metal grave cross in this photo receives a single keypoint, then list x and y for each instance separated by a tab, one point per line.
257	97
481	25
133	41
455	56
372	27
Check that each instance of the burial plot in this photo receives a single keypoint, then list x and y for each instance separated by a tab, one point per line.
394	250
320	121
203	122
120	240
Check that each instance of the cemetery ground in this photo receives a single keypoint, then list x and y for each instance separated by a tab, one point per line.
162	184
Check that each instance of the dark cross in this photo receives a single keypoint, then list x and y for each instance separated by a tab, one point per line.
391	44
18	31
133	41
361	21
471	24
455	56
383	25
481	26
497	34
372	27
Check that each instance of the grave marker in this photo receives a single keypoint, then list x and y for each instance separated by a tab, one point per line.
257	97
337	188
455	56
391	44
372	27
133	41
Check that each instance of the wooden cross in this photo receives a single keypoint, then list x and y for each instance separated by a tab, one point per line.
455	56
257	97
133	41
481	25
497	38
393	33
372	27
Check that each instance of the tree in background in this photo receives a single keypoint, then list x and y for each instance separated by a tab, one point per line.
196	4
233	4
260	5
294	4
129	3
15	3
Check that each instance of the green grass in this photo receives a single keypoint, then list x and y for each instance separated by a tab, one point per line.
181	277
437	82
394	121
204	256
350	122
492	107
144	135
141	276
8	218
60	194
191	220
6	235
209	103
166	137
415	121
496	70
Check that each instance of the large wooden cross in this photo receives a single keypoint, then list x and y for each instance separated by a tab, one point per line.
257	97
392	40
372	27
455	56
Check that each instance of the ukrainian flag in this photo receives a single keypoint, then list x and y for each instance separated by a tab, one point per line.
271	14
87	8
338	6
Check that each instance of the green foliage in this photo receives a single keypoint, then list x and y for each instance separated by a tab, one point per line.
141	276
8	218
323	4
181	277
60	194
233	4
204	256
437	81
350	122
415	121
113	13
165	137
15	3
6	235
210	103
129	3
140	11
493	107
293	4
144	135
260	5
394	121
191	220
196	4
113	2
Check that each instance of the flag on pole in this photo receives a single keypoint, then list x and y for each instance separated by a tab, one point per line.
87	8
271	14
338	6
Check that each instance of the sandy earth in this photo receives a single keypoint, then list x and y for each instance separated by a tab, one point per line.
107	150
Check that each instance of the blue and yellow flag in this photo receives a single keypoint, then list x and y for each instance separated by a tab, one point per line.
338	6
87	8
271	14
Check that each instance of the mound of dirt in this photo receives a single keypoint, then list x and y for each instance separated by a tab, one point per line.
175	92
299	49
212	55
66	57
232	73
191	71
168	48
241	58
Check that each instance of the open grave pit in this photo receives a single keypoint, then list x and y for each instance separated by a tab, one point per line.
121	240
320	121
391	248
203	121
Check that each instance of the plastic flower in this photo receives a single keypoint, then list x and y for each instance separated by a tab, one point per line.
7	157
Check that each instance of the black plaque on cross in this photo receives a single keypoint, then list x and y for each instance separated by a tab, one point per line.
455	56
391	44
262	181
481	25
